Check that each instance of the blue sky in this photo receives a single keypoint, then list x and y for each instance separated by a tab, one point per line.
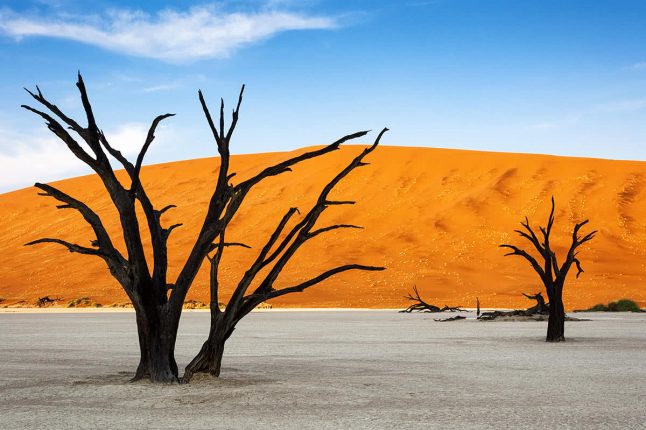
559	77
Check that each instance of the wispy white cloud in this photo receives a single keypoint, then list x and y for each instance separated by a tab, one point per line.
160	87
169	35
43	158
639	66
35	159
622	106
545	125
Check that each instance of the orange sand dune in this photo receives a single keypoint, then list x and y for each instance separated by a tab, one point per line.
433	217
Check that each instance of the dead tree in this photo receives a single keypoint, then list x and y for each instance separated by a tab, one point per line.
157	302
551	273
274	255
421	306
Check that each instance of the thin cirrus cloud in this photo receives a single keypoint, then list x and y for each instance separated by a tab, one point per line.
169	35
630	105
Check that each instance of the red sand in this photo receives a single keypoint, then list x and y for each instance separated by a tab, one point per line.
433	217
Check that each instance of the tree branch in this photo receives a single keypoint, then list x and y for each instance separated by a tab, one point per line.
161	211
91	135
140	158
531	236
332	227
285	165
55	127
101	165
56	111
578	266
226	200
103	238
526	256
72	247
228	244
318	279
302	231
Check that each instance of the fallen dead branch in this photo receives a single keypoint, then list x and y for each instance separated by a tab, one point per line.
455	318
421	306
538	312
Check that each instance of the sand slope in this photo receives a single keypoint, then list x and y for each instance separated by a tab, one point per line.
433	217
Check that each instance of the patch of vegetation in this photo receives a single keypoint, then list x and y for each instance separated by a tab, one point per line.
600	307
194	304
46	301
80	302
623	305
121	305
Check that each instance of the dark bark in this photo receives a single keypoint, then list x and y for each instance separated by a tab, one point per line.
156	345
455	318
420	305
541	308
556	320
274	254
209	359
157	330
551	273
158	303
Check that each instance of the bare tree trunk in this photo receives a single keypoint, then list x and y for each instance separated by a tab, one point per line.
556	320
157	329
209	359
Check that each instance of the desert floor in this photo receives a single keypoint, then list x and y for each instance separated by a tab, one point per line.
329	369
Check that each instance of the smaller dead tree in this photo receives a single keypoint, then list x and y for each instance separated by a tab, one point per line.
421	306
552	273
279	248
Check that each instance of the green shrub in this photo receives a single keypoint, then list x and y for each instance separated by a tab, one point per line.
623	305
598	308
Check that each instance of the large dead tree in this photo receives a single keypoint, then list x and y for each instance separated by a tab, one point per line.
552	273
158	302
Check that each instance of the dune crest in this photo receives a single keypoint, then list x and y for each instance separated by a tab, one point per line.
433	217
